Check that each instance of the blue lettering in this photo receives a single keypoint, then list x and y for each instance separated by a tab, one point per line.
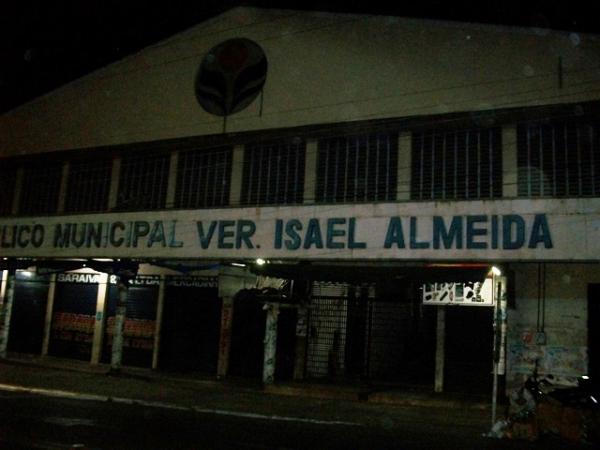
205	238
512	241
540	232
455	233
157	234
245	230
394	234
173	242
473	232
313	235
224	233
141	228
278	234
290	229
351	235
332	232
414	244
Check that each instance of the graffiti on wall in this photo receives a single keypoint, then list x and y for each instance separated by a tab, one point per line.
555	360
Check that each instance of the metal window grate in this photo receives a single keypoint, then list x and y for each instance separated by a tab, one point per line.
143	182
40	189
88	185
8	178
357	168
273	173
203	178
457	165
558	159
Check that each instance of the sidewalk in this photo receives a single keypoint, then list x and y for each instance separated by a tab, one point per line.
293	401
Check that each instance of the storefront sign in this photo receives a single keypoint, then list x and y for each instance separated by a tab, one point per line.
465	294
456	230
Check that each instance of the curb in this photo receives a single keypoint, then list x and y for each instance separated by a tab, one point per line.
56	393
315	391
388	398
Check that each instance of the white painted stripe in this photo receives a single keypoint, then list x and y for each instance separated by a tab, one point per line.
155	404
273	417
53	393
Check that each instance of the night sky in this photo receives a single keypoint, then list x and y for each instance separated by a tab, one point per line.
45	44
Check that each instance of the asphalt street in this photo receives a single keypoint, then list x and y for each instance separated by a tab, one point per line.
32	421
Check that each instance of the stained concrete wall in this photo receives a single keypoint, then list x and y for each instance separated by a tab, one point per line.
323	68
562	349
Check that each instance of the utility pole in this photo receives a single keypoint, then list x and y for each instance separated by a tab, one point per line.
117	344
270	342
5	311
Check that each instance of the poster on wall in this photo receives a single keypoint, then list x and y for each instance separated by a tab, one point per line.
473	293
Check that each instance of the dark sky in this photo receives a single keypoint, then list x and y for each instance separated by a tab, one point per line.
44	44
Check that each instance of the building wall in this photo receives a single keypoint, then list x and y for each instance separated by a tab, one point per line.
562	348
323	68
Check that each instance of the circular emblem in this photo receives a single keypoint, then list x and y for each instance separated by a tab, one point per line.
230	77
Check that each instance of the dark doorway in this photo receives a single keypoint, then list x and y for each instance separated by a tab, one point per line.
247	335
356	319
594	331
190	329
469	347
286	344
28	313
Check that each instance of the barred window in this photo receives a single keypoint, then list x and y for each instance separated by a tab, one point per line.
558	159
8	178
40	189
203	178
457	165
273	173
357	168
143	182
88	185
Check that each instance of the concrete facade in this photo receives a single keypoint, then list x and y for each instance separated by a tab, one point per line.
330	76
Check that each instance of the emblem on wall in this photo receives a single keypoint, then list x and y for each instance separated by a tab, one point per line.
231	75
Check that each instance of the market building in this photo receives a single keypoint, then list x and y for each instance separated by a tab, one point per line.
423	194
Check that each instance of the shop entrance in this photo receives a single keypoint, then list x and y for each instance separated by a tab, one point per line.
469	345
247	336
191	325
28	313
385	331
140	321
73	318
372	331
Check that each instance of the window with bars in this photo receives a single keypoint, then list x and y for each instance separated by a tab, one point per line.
558	159
357	168
8	178
88	185
203	178
273	173
40	188
457	165
143	182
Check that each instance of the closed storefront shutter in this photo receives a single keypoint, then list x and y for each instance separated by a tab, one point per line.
140	321
73	317
28	313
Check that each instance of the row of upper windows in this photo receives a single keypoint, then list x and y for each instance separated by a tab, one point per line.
556	159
